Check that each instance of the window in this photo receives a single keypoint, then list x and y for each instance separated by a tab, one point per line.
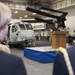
14	29
22	27
72	1
68	2
28	26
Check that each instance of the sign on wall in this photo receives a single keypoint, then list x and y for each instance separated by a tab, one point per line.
37	26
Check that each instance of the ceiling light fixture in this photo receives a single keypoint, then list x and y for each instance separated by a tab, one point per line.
20	17
26	16
33	13
16	12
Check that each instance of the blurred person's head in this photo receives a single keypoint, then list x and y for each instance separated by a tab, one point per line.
5	17
56	25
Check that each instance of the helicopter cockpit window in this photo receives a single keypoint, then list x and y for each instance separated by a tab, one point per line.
22	27
28	26
14	29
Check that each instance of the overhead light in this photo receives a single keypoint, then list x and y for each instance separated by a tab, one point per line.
16	12
20	17
42	10
26	16
33	13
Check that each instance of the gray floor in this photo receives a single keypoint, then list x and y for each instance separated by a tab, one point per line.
33	67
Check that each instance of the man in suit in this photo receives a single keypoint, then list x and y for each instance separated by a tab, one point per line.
55	28
65	62
9	64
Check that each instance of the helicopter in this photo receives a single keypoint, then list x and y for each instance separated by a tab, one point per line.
21	33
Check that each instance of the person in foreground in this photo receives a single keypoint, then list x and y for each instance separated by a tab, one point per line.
65	62
9	64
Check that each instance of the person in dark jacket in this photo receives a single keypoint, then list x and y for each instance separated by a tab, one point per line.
65	62
9	64
55	28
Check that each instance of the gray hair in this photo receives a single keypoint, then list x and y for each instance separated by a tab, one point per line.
5	15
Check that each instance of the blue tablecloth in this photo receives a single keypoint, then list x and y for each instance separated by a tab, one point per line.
43	57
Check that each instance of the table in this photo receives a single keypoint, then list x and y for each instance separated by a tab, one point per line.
40	54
